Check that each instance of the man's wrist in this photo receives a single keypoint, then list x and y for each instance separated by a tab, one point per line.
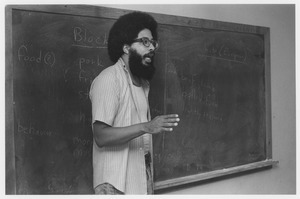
144	127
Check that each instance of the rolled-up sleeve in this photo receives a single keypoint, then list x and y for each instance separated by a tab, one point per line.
104	95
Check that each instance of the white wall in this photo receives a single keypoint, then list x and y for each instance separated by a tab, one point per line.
281	20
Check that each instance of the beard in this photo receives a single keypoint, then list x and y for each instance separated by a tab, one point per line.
138	68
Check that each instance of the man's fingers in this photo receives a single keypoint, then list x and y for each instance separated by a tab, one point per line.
169	116
170	124
172	116
166	122
167	129
172	120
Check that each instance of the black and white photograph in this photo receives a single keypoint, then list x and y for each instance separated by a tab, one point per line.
150	98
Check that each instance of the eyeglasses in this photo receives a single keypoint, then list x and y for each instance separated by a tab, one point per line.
146	42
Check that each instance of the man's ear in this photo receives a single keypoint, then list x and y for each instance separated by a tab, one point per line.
125	48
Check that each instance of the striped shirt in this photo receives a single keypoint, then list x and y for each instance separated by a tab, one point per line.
143	108
114	102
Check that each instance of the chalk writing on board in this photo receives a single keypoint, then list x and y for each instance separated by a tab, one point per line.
81	141
227	52
86	39
202	98
89	67
194	82
45	58
96	61
199	90
32	130
224	52
81	153
200	115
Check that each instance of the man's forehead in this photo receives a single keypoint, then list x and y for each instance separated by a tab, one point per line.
145	33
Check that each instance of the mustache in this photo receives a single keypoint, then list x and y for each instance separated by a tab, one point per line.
150	54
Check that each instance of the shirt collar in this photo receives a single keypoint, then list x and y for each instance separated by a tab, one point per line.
123	64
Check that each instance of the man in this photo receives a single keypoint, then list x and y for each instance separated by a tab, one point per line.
122	127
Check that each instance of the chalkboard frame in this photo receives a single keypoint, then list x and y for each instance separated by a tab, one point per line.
111	13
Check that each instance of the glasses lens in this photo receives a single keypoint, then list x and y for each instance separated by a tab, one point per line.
146	42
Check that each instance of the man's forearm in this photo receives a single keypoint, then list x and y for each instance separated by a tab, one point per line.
106	135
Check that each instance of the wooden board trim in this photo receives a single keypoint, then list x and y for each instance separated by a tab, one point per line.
268	95
208	175
10	171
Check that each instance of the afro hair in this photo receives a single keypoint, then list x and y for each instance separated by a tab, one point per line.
126	29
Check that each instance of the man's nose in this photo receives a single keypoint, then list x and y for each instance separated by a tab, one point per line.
151	47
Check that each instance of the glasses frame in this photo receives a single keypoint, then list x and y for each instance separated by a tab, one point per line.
146	42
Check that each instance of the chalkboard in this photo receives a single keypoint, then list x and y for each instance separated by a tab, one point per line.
215	75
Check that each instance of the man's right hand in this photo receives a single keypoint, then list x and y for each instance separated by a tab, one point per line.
162	123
